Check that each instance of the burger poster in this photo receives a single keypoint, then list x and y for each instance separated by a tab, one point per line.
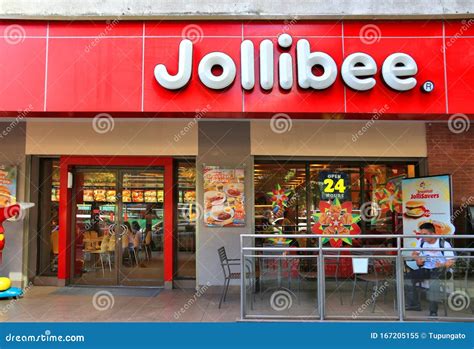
224	197
7	185
426	199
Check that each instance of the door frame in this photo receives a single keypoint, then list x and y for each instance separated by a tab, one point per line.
67	163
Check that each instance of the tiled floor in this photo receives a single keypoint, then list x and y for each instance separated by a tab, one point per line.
41	304
49	304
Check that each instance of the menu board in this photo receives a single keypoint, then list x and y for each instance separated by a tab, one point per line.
426	199
8	180
224	197
334	185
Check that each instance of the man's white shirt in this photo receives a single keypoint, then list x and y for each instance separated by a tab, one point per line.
433	257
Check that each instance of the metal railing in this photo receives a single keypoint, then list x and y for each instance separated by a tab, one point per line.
400	253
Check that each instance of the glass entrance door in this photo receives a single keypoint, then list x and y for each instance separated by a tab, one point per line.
141	249
118	232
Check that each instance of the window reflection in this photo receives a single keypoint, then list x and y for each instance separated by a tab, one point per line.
373	190
48	219
187	216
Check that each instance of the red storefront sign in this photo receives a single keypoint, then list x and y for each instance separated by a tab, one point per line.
81	68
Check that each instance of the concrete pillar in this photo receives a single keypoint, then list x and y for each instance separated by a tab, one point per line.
225	144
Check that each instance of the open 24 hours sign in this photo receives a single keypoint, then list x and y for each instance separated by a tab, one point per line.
334	185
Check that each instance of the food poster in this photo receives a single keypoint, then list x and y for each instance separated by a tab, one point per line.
224	197
426	199
8	180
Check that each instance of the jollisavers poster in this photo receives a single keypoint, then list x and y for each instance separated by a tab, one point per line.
224	197
426	199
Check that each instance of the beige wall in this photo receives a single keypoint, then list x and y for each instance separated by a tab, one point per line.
338	138
145	137
225	9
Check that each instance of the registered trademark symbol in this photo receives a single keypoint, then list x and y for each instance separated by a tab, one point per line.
427	86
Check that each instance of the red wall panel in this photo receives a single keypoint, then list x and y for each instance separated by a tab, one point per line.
22	67
428	54
297	100
105	76
460	73
108	67
195	96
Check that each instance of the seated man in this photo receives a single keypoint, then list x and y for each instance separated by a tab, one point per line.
431	265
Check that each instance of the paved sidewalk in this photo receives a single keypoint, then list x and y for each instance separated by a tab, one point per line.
41	304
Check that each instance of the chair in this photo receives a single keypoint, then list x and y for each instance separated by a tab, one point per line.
333	259
136	248
111	250
106	250
379	272
94	236
126	247
226	264
103	251
147	245
446	284
464	263
86	238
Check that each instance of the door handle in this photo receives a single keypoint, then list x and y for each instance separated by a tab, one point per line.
112	229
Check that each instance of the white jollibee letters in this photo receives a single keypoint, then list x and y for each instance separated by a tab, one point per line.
307	60
185	64
205	70
357	70
285	71
247	73
399	65
266	64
